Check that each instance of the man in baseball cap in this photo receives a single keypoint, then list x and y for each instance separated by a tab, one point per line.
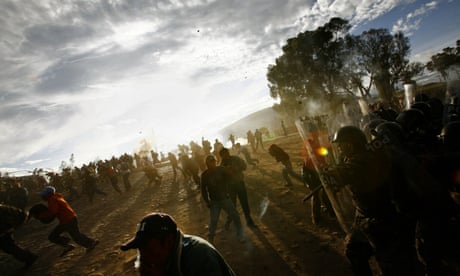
48	190
154	225
164	250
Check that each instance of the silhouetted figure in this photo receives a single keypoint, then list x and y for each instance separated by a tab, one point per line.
174	165
152	174
214	190
281	156
191	169
231	138
10	219
18	196
259	140
236	186
125	172
251	140
247	155
89	184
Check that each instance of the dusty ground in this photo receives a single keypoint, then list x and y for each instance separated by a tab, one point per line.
284	243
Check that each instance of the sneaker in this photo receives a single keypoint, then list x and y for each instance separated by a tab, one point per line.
67	249
91	247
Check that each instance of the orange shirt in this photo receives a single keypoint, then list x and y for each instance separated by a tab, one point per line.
58	207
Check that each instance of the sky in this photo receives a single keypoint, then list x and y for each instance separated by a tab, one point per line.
96	78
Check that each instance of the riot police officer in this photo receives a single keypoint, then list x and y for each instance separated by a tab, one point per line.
377	228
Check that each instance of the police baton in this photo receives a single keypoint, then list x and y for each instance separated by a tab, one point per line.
316	189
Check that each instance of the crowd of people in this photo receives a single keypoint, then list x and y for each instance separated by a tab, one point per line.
402	169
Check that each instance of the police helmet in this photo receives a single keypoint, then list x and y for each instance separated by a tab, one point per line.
387	114
411	119
367	118
373	124
352	135
390	131
424	107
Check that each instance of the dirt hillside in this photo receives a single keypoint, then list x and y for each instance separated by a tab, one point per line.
284	243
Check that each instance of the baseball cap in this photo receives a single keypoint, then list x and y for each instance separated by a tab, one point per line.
47	191
151	226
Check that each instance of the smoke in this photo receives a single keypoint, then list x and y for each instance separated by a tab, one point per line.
452	91
314	108
321	107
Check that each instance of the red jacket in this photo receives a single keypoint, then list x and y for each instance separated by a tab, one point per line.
58	207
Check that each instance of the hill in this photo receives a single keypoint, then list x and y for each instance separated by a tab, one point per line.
266	117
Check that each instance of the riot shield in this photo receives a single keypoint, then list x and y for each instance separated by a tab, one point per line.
315	135
451	105
409	93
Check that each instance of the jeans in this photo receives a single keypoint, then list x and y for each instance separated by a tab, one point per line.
229	208
238	190
73	230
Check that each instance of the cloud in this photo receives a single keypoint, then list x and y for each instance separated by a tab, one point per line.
73	72
413	19
356	11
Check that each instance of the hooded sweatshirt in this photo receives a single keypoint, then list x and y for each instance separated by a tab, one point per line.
59	208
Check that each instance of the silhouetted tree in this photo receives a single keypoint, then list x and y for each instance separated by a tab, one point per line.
310	67
446	61
384	57
326	62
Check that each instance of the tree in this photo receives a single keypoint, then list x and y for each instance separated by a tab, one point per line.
385	58
72	161
446	61
310	67
322	64
412	69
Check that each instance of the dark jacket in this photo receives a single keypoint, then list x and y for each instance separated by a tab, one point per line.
214	184
235	167
368	175
10	218
195	256
279	154
18	197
